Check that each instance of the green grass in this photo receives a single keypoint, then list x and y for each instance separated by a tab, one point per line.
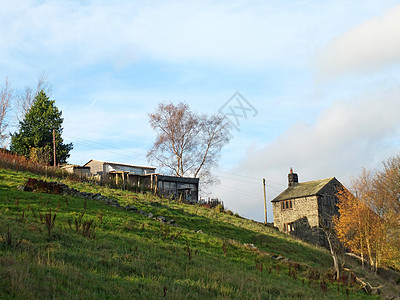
134	257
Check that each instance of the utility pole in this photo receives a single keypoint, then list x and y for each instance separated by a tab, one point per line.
265	202
54	147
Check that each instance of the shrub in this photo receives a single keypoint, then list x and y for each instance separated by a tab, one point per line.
219	208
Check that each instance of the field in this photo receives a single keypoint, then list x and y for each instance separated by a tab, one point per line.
65	247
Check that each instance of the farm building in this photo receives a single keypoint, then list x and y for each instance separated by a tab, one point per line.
304	208
120	172
184	188
75	169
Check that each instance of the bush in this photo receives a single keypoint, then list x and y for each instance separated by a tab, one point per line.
219	208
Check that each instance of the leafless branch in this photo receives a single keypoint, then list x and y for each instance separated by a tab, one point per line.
6	94
187	143
25	100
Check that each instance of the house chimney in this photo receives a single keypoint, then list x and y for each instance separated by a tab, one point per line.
292	178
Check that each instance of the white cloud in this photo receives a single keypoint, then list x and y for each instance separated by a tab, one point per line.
239	34
346	137
370	46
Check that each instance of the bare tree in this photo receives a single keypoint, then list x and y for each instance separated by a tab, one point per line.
6	94
25	100
187	143
335	247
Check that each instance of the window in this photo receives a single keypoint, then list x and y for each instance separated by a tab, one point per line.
287	204
288	227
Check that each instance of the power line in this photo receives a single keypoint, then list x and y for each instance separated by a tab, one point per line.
276	183
86	143
235	174
239	191
269	183
94	145
275	189
100	144
240	180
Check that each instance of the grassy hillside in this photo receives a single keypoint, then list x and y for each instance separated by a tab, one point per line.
65	247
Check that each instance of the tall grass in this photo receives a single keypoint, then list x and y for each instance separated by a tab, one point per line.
11	161
126	255
16	162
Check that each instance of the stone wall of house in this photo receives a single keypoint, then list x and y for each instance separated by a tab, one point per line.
308	214
96	167
327	201
303	217
304	231
301	207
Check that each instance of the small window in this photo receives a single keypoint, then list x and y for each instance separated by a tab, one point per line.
288	227
287	204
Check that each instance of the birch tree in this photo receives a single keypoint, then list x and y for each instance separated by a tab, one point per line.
26	98
187	143
6	96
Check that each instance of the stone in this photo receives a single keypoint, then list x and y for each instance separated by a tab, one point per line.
285	260
97	196
162	219
250	246
200	231
150	215
130	208
171	222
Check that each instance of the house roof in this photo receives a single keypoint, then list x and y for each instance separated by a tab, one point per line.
303	189
178	179
119	164
66	166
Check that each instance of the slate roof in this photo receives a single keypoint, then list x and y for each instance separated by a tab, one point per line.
303	189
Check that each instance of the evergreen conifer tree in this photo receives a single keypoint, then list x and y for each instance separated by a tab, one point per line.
34	139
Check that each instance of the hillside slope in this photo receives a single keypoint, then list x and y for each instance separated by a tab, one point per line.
65	247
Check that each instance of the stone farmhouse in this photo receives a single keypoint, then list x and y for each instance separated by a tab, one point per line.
304	208
141	176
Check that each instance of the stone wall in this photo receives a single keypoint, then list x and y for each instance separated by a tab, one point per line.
301	207
327	201
96	167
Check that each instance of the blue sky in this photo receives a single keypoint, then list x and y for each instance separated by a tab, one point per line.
323	76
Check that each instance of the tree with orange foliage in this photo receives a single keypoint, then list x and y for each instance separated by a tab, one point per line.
368	224
387	185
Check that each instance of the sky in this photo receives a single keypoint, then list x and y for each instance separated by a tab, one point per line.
319	81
